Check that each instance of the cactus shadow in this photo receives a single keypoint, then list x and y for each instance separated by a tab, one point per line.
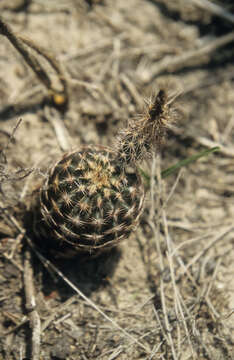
87	273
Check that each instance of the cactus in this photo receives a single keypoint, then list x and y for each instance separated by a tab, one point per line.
90	200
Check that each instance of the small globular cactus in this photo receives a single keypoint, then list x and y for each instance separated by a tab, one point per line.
90	200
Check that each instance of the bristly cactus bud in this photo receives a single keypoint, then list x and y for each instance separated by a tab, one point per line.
145	134
90	201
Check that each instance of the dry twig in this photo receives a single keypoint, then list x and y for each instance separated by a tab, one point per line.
171	64
35	322
213	242
59	127
214	9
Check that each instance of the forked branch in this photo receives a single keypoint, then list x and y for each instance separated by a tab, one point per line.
59	98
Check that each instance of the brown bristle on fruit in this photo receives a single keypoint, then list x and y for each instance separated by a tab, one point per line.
144	135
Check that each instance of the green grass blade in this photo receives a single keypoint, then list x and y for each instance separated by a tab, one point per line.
180	164
187	161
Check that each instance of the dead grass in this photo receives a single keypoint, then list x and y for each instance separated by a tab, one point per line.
168	292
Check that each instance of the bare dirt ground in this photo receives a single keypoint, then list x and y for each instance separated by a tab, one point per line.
168	291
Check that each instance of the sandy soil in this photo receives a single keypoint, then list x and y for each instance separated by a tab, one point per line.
168	291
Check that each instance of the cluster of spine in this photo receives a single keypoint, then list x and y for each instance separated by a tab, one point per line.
90	201
145	134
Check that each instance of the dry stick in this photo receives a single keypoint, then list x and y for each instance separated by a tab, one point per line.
195	332
59	127
55	312
31	60
173	188
208	81
211	282
167	334
132	89
186	267
89	50
18	266
11	137
19	43
225	317
106	66
35	322
23	322
207	248
171	63
165	313
186	271
214	9
178	307
170	260
214	314
188	242
116	55
228	151
140	337
162	328
225	150
98	89
51	60
166	321
155	350
175	250
186	310
120	349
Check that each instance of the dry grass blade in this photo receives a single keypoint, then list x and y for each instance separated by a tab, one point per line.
176	322
167	331
10	140
224	149
132	90
171	64
166	320
59	127
57	311
177	303
227	150
213	242
214	9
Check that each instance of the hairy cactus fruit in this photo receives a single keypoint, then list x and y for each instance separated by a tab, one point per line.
90	200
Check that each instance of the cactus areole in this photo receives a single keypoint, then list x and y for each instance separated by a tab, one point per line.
90	200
